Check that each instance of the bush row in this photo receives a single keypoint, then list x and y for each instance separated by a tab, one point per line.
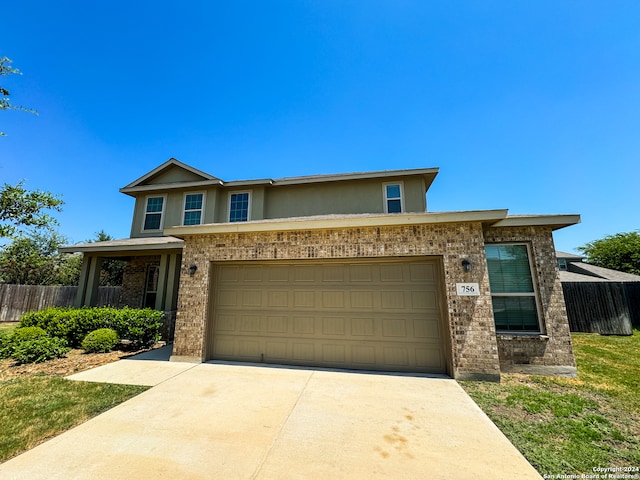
141	327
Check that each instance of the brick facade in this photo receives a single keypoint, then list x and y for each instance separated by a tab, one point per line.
134	278
552	351
474	349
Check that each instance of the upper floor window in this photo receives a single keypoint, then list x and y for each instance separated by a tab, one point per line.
193	206
562	264
512	289
392	197
239	206
153	213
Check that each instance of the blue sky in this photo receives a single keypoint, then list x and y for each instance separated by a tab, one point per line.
530	106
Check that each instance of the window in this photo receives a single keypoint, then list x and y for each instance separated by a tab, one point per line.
153	213
562	264
193	205
151	286
512	289
392	197
239	207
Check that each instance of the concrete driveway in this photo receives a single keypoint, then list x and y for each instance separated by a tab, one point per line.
237	421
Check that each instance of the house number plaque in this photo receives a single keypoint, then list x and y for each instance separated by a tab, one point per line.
468	289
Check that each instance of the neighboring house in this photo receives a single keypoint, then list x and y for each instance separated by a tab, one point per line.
342	271
598	299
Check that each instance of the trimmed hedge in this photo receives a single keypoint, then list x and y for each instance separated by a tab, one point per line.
141	327
100	341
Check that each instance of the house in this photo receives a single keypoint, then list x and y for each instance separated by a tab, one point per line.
598	299
342	271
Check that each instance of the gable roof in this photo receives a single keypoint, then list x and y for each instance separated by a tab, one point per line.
192	177
184	176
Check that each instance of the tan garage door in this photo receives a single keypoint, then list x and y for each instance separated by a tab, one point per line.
376	315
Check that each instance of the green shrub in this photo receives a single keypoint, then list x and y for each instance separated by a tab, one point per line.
141	327
8	341
100	341
27	333
6	344
39	349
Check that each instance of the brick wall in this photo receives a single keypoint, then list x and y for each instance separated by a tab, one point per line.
551	352
471	332
474	350
133	280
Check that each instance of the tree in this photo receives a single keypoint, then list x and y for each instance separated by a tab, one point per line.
20	207
112	270
5	103
34	260
618	252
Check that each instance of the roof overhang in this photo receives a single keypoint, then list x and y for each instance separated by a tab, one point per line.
554	221
139	186
128	246
486	217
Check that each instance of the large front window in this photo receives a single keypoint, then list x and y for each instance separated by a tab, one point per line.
512	289
239	207
153	213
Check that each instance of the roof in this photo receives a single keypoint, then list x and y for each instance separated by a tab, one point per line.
573	257
199	178
488	218
592	272
127	246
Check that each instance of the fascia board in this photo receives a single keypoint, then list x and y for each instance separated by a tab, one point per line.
429	172
345	221
554	221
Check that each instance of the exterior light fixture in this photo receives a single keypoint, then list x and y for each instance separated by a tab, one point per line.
192	269
467	265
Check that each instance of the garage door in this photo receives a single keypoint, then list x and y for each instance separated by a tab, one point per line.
376	315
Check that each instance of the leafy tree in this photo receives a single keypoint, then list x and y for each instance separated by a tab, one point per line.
21	207
5	103
618	252
34	260
112	269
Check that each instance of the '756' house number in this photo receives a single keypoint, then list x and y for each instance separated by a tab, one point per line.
468	289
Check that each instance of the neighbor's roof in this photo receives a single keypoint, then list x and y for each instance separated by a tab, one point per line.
126	245
592	272
574	257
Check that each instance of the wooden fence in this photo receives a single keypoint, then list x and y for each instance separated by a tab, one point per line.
18	299
608	308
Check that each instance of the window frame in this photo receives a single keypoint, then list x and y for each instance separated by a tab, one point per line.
534	293
239	192
201	209
162	212
386	198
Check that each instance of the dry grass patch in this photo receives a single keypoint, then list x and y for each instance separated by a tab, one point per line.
569	426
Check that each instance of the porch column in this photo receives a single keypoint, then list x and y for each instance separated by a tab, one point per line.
89	281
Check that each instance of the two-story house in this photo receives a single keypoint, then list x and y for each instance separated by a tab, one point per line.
344	271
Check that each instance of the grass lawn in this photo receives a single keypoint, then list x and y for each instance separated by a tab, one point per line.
572	425
36	408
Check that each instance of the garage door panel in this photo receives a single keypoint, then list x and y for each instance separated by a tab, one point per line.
320	314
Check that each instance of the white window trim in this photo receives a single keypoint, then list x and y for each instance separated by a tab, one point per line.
534	294
384	196
201	210
237	192
144	212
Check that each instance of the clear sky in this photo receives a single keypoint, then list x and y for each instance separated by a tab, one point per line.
530	106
